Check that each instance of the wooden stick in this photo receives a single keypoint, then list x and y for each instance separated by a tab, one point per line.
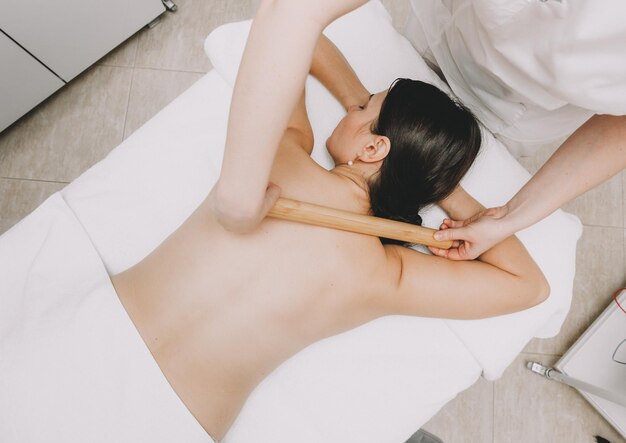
309	213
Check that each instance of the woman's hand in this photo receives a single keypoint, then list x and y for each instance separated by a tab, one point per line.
473	236
241	215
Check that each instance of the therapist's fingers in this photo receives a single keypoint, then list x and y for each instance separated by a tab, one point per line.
461	252
464	246
454	253
462	229
455	231
436	251
449	223
452	233
476	234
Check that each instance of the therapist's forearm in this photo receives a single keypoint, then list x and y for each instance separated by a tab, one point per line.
271	77
590	156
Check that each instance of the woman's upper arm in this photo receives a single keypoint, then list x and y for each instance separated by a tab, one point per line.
299	132
295	138
431	286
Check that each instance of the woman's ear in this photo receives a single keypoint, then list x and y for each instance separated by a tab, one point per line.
376	150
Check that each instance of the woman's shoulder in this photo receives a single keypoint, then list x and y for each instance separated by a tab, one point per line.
301	178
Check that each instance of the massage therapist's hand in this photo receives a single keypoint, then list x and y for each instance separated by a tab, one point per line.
473	236
239	214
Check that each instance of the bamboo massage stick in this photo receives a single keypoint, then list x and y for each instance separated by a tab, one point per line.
294	210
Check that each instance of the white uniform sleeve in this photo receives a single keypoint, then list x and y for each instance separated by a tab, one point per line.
531	70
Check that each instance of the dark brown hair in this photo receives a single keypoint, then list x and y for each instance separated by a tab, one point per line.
434	141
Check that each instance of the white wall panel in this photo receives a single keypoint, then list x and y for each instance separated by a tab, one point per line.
24	82
70	35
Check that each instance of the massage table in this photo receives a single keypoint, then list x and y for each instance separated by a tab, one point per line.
374	384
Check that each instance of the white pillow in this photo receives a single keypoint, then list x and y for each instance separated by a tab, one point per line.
379	55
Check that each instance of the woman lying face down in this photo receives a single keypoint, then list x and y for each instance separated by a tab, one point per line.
219	311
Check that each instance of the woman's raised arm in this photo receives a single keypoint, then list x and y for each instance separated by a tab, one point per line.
275	63
332	69
504	279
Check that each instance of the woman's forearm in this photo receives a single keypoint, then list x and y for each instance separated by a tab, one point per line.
332	69
271	77
593	154
459	205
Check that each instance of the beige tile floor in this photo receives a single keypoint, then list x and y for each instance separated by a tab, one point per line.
82	122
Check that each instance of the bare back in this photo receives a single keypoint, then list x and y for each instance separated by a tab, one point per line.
220	311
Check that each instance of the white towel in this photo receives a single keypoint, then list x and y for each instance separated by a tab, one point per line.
73	368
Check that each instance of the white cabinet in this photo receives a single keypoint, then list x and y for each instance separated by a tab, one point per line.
24	82
70	35
64	36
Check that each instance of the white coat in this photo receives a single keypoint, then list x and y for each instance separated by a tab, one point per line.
532	71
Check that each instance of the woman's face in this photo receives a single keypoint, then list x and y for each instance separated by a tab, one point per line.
353	132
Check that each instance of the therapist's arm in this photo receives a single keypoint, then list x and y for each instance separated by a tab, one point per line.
271	77
590	156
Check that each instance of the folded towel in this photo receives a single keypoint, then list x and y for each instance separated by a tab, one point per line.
73	368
